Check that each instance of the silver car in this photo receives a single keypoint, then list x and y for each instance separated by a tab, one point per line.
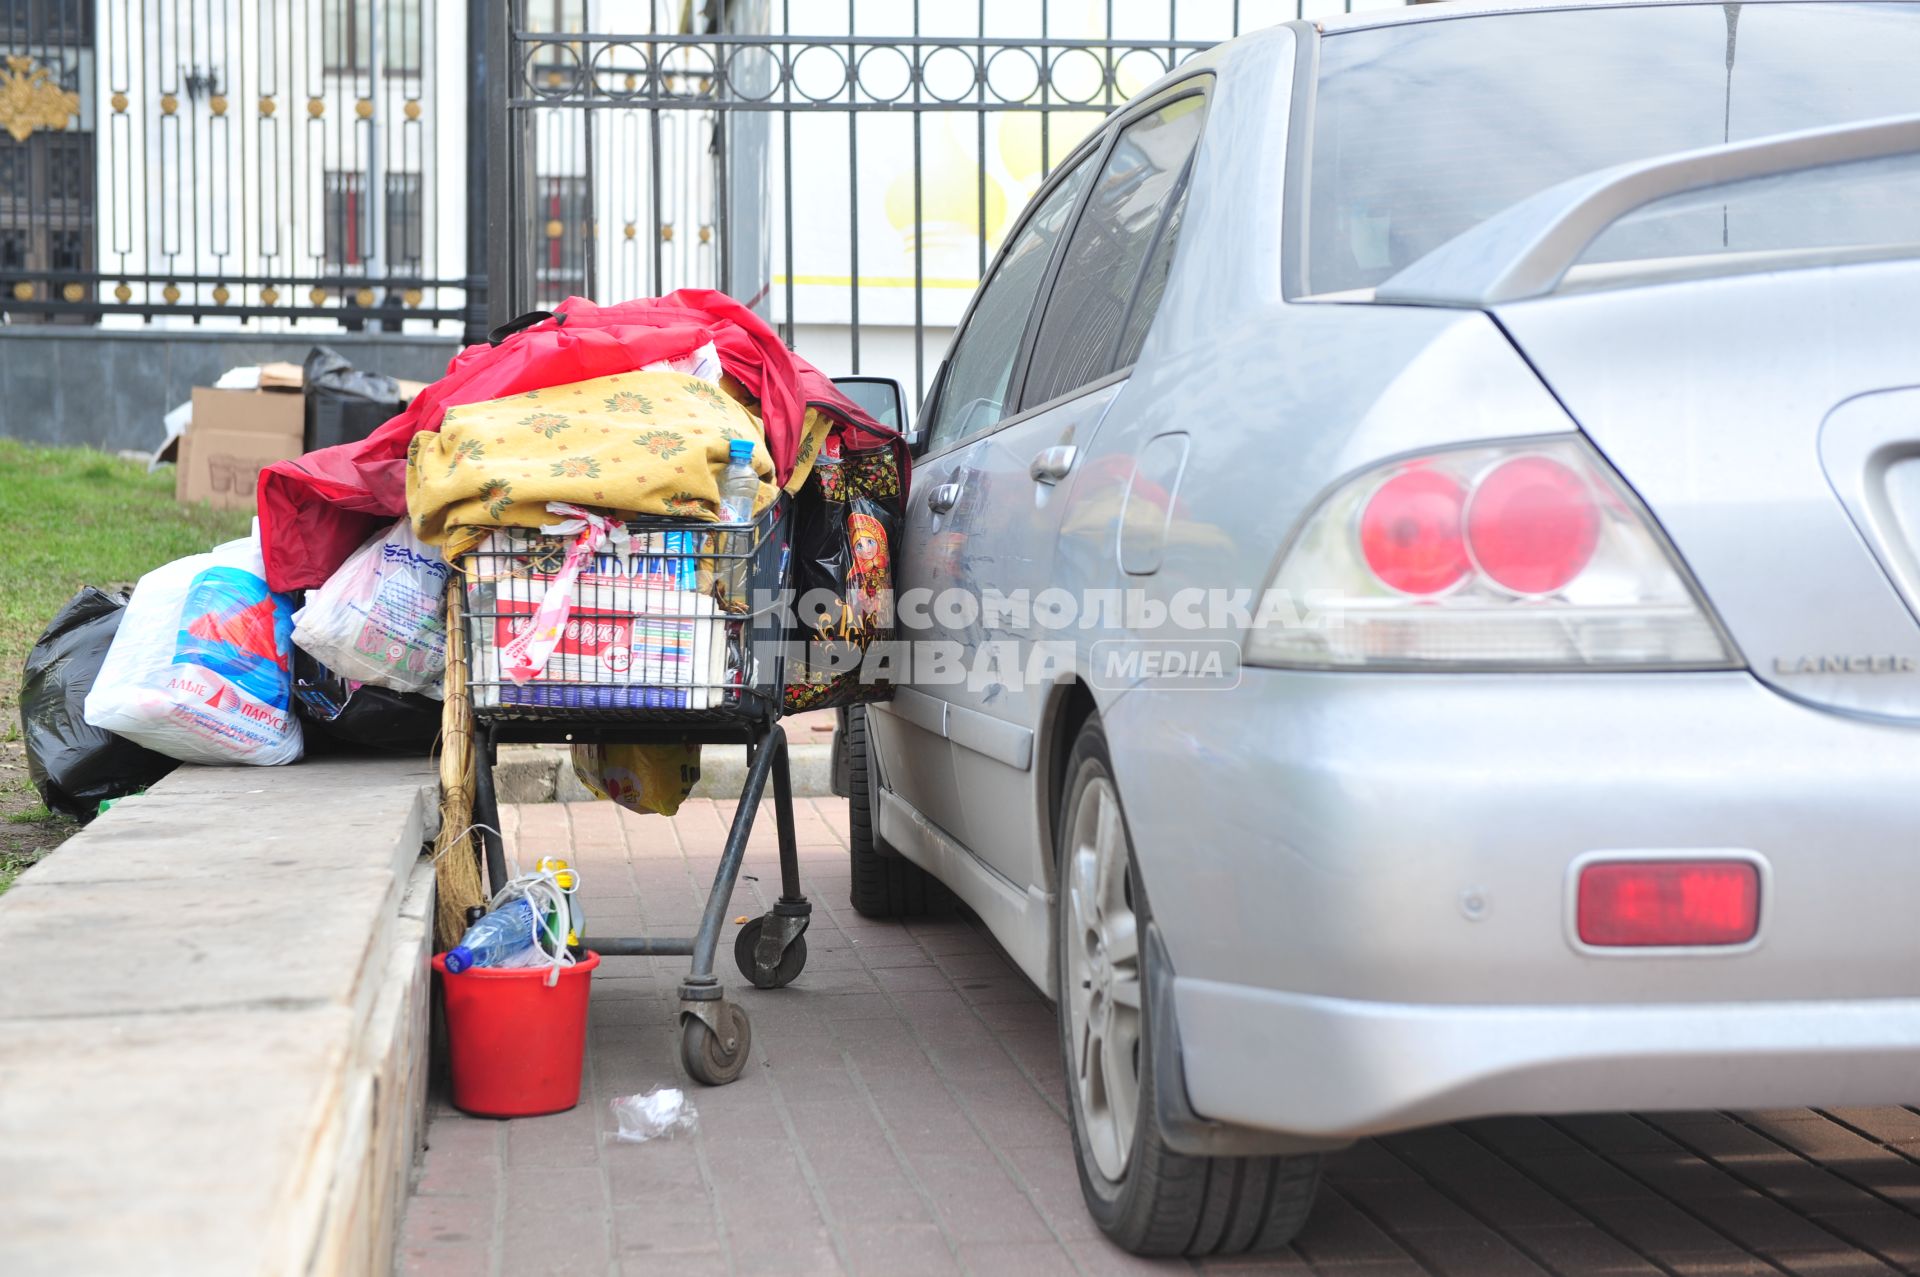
1412	579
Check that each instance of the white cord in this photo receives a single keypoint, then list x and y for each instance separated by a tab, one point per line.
544	896
461	840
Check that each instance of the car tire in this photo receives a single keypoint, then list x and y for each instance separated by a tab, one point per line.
885	883
1147	1198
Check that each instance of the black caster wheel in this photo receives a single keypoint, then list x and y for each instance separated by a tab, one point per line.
716	1059
791	962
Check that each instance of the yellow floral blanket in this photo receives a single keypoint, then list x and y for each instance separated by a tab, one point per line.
640	442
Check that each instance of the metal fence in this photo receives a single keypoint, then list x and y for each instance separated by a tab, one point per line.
244	158
850	183
847	166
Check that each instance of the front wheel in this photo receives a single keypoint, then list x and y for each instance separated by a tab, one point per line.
711	1058
1146	1197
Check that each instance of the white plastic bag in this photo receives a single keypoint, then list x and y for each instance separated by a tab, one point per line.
663	1112
200	669
381	618
703	363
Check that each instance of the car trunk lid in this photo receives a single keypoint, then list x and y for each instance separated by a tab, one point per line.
1771	423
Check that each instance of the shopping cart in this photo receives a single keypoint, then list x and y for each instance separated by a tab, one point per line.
674	638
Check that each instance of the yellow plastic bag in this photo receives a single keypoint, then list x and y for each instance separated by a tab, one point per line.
642	778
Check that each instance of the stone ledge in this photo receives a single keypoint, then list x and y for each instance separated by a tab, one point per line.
212	1056
544	773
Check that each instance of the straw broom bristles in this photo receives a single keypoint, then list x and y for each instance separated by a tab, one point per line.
456	861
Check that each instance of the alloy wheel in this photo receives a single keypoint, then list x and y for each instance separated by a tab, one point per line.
1102	992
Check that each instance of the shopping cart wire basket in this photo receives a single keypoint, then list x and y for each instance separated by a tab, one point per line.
676	635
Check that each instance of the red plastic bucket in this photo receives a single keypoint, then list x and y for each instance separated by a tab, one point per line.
517	1045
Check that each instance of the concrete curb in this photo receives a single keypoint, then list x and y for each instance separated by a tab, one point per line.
229	1071
544	773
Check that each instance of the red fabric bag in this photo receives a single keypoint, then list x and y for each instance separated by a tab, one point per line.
317	509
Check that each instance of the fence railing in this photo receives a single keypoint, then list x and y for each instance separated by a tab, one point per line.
851	184
262	159
241	158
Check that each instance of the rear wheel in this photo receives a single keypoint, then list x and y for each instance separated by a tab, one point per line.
793	959
885	884
1146	1197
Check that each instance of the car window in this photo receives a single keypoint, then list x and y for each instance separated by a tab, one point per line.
974	394
1153	283
1109	245
1423	131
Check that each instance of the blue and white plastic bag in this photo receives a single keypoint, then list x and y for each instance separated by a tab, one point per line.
201	667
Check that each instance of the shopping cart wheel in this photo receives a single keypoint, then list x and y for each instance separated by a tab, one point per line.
716	1058
792	958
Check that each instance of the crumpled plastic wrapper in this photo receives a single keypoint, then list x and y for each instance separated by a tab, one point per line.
661	1113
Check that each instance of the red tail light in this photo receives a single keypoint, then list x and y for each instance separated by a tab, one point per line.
1410	532
1648	903
1519	554
1532	525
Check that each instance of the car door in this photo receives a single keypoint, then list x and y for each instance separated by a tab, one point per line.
945	510
932	555
1018	477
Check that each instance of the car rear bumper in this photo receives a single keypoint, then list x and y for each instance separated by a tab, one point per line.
1415	839
1365	885
1339	1068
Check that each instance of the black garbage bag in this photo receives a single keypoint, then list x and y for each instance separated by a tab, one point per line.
76	767
345	717
345	405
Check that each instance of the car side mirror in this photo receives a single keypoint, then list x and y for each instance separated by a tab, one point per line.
882	397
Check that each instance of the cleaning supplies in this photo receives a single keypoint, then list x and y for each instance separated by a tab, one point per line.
563	877
531	924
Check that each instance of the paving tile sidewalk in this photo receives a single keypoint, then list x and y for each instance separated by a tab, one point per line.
902	1115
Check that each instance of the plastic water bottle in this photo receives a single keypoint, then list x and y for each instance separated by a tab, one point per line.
494	939
739	486
739	489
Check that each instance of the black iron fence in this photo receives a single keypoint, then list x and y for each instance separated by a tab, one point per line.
244	158
847	166
851	184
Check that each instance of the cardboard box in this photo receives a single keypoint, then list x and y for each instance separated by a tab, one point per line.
223	466
234	434
282	377
267	412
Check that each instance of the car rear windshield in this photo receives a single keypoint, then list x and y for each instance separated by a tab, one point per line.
1423	130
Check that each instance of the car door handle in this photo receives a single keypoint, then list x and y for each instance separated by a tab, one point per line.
943	498
1052	464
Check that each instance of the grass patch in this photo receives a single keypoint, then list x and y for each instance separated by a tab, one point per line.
29	832
71	517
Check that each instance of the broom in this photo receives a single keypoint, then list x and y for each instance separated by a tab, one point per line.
456	857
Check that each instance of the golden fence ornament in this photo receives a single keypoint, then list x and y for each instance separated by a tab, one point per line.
29	99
